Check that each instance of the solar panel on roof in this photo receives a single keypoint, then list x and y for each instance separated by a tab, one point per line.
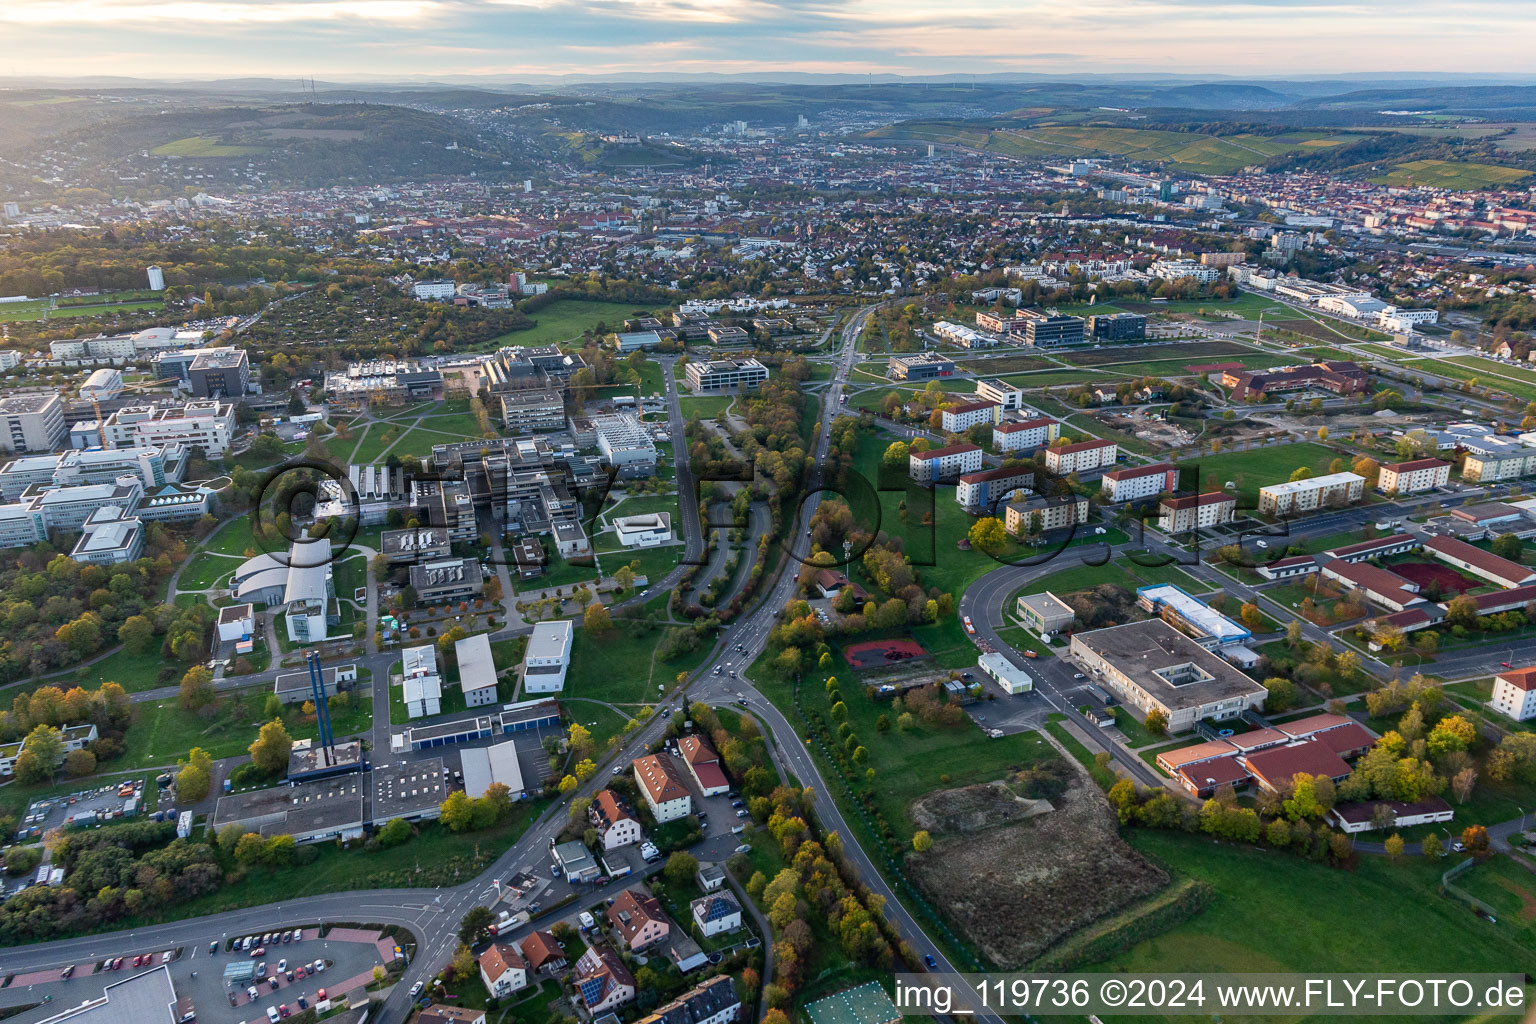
591	990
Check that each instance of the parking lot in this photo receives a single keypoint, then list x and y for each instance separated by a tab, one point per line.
83	807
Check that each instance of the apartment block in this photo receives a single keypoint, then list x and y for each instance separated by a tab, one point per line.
1081	457
1195	511
957	419
944	463
1139	481
1057	512
1296	496
1025	435
534	410
981	492
1413	476
999	392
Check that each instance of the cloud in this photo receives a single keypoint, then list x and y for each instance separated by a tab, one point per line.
210	12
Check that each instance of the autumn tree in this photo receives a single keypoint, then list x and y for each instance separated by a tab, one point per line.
269	753
196	690
1157	722
195	778
597	619
1394	846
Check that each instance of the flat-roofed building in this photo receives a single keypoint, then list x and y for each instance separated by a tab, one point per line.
1151	665
1025	435
919	366
1296	496
1135	482
1005	673
450	579
208	424
643	531
547	657
1198	620
1045	613
1184	513
625	443
110	536
416	544
715	375
311	812
1413	476
1081	456
32	423
532	411
1000	392
422	682
1117	327
220	373
477	670
937	464
1042	330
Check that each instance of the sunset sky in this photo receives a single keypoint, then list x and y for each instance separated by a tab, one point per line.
397	39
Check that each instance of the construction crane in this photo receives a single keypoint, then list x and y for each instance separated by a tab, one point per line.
101	426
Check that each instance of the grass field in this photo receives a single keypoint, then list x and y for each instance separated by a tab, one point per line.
1379	916
26	311
705	408
133	672
207	570
202	146
1451	174
566	320
1202	154
1254	469
1481	371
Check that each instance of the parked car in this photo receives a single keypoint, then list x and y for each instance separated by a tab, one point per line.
272	1014
282	966
258	951
744	848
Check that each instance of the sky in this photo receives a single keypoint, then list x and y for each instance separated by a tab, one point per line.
338	40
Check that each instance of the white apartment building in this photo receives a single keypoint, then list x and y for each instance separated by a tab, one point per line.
1413	476
1514	693
999	392
957	419
1025	435
206	424
1174	270
548	657
1135	482
1193	512
1081	457
943	463
1295	496
662	786
434	291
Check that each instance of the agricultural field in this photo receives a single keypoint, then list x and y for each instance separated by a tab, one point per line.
1451	174
200	146
1200	154
1188	352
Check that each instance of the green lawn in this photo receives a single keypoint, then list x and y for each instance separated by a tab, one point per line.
907	764
27	311
1481	375
207	570
1378	916
704	408
133	672
566	320
1252	470
162	732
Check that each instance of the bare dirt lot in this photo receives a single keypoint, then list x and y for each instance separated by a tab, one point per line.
974	807
1015	889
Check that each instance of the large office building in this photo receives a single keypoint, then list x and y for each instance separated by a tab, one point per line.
716	375
1151	665
109	536
382	382
625	444
155	467
533	410
207	424
449	579
220	373
32	423
1041	330
421	681
919	366
1117	327
1296	496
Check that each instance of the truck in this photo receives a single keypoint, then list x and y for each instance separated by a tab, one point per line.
508	921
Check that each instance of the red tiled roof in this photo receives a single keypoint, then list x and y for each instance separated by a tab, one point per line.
1083	446
1219	771
994	474
1511	572
500	958
1520	678
1175	759
1135	472
1034	424
1277	766
541	948
1372	545
969	407
659	776
1414	464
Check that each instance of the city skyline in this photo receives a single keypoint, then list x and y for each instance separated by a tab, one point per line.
403	39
